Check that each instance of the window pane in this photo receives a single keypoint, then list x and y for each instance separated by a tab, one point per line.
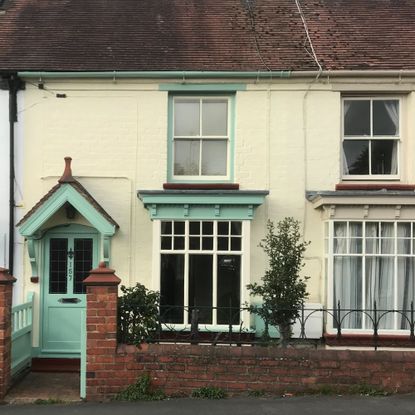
179	242
404	238
386	117
82	263
194	228
207	228
201	286
356	156
406	278
207	243
384	157
187	117
166	228
166	242
236	228
347	289
172	288
223	244
356	117
235	244
380	288
229	271
194	242
215	117
214	157
179	228
186	157
58	262
223	228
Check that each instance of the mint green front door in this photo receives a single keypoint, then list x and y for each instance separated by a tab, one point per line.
70	253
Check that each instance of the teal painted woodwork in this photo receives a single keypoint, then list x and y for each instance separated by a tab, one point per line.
211	87
62	302
22	327
82	384
32	230
207	204
201	179
66	193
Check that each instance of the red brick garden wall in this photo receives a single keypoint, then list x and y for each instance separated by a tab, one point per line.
179	369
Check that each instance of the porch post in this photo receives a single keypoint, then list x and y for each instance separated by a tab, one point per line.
101	324
6	293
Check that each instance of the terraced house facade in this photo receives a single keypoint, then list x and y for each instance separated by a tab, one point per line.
189	125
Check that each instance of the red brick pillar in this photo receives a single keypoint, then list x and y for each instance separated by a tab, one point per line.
6	294
101	327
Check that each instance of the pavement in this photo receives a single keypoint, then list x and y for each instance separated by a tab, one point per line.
58	393
304	405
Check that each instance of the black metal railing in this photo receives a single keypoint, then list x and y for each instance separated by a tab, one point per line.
239	325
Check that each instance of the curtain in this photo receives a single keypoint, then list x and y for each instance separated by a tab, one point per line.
392	108
346	107
347	276
380	276
405	274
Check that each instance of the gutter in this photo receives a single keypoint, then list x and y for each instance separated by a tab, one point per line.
187	75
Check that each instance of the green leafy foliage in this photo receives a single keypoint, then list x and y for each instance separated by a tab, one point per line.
137	314
140	391
209	392
283	290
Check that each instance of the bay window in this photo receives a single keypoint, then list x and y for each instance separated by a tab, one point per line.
201	267
372	261
371	134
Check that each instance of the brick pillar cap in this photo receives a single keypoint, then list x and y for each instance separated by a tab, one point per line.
5	277
102	276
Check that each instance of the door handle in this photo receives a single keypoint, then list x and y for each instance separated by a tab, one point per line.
69	300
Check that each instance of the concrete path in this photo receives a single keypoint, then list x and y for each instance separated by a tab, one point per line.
307	405
38	385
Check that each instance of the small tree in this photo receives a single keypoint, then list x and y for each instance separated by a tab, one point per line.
283	290
137	314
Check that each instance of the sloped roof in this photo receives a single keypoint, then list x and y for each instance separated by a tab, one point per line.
208	35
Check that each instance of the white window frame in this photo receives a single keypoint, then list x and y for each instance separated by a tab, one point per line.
371	137
329	271
244	274
200	137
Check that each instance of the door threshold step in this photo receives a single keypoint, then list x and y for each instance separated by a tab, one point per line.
48	364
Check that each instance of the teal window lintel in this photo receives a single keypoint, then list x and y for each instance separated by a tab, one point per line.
199	205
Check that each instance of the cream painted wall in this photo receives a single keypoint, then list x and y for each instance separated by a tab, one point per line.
287	141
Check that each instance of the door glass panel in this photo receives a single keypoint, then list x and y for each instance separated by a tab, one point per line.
82	263
58	261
